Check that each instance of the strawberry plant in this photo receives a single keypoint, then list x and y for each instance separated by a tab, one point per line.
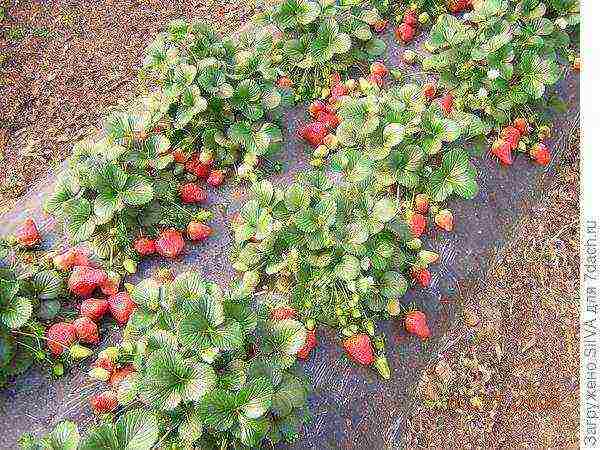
320	38
213	372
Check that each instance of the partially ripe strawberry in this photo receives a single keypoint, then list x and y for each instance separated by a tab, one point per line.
429	91
375	79
421	276
197	231
121	306
358	348
282	313
285	82
84	280
112	283
444	219
119	375
378	68
313	133
170	243
144	246
60	337
94	308
86	330
104	402
410	18
329	119
502	150
71	258
417	224
415	323
197	167
103	362
309	344
540	153
447	103
521	124
380	25
192	193
404	33
216	178
27	234
422	203
179	157
316	107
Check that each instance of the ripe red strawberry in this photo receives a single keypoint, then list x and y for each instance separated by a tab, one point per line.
104	402
313	133
285	82
317	107
121	306
421	276
329	119
417	224
170	243
94	308
179	156
422	203
192	193
27	234
216	178
375	79
196	166
540	153
309	344
359	348
447	103
338	90
380	26
415	323
70	258
410	18
521	124
429	91
60	337
84	280
282	313
197	231
501	149
444	219
105	363
378	68
144	246
119	375
86	329
404	33
512	136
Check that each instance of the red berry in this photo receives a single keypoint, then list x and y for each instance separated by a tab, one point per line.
70	258
416	323
444	219
282	313
27	234
192	193
521	124
378	68
144	246
119	375
429	91
375	79
502	150
104	363
104	402
94	308
421	276
84	280
410	18
179	156
309	344
86	329
422	203
121	306
359	349
170	243
335	78
196	166
405	33
540	153
285	82
338	90
447	103
60	337
216	178
111	285
417	224
316	107
198	231
329	119
512	136
313	133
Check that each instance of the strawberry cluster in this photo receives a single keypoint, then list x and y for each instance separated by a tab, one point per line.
511	140
108	369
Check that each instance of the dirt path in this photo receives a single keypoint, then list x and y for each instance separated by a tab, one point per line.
63	64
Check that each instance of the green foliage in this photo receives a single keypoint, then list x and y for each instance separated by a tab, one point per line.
502	58
320	38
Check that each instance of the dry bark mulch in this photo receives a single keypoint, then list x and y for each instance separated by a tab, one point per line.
65	63
512	379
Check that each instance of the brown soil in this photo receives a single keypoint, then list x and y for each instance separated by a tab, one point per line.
64	63
510	376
